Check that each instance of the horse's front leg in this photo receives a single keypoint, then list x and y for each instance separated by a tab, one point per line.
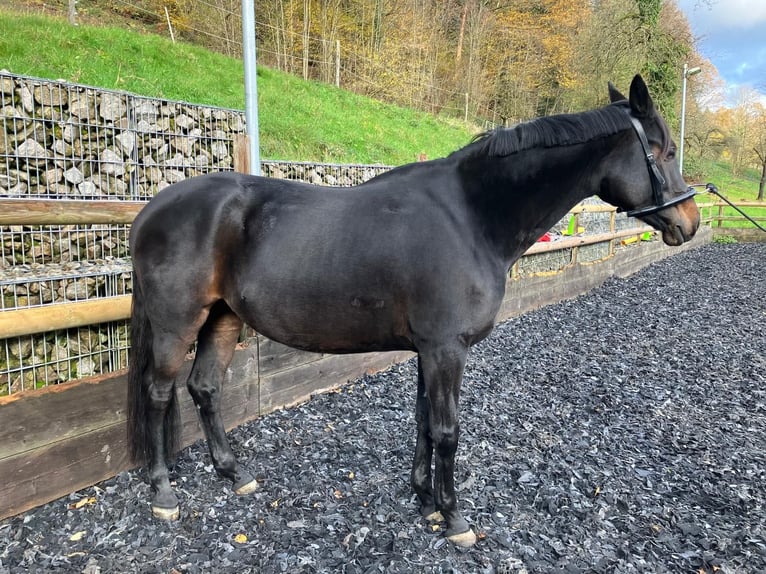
442	375
421	478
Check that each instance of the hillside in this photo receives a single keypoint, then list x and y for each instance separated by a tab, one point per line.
298	120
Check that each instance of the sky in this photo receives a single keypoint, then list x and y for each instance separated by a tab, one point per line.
732	35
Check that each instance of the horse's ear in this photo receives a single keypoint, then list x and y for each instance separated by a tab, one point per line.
614	94
640	101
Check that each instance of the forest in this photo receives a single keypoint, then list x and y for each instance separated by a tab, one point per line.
509	60
490	62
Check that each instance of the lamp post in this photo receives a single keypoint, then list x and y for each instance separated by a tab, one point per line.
687	72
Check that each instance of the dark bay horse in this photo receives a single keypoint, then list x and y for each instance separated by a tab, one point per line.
415	259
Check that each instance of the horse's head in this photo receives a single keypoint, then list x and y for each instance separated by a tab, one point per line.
644	179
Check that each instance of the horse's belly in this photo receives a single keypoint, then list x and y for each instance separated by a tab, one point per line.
338	324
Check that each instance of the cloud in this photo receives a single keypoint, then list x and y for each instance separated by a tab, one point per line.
732	14
732	34
739	56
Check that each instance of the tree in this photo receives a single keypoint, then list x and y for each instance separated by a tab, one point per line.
704	138
759	147
743	131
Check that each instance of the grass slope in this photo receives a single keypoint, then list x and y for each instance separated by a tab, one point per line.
298	120
744	188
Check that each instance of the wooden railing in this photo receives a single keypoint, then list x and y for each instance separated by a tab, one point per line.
714	213
33	320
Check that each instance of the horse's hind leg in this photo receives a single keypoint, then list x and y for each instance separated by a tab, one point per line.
168	356
215	348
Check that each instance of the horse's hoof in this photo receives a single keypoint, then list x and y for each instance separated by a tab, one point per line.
166	513
247	488
435	516
464	539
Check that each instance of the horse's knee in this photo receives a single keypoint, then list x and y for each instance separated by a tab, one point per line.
203	392
445	439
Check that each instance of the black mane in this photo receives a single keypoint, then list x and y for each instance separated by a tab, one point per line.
549	131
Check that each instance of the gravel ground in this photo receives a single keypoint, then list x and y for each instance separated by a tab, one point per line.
619	432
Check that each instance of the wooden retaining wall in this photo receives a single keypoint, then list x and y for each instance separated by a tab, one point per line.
66	437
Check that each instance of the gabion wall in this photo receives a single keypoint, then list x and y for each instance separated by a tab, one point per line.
67	141
61	140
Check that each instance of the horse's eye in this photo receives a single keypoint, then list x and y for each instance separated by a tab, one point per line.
671	155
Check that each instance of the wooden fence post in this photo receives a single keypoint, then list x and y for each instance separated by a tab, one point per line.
240	153
72	11
337	63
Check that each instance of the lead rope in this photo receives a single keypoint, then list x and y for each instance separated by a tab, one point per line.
712	188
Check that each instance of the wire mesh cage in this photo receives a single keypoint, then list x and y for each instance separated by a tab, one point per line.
62	140
36	361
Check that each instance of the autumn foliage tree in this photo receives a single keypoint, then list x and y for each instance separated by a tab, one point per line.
760	151
499	61
493	62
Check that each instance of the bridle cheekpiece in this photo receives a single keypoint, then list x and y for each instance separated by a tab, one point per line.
655	175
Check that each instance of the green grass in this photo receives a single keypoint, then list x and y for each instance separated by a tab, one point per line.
724	239
735	189
754	212
740	188
298	120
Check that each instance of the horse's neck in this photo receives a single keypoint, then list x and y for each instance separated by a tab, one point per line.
522	196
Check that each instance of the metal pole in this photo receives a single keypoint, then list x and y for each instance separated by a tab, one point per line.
687	72
683	121
251	84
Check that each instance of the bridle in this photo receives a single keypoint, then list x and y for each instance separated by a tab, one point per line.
655	175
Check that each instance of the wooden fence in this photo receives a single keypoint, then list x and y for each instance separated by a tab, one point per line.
718	215
64	437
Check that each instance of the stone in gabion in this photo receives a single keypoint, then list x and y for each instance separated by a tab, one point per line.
184	122
53	175
88	189
126	142
27	99
62	148
50	95
74	176
31	149
145	111
83	106
111	107
219	150
21	349
174	176
111	163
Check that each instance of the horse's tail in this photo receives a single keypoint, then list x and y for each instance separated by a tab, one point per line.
140	362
